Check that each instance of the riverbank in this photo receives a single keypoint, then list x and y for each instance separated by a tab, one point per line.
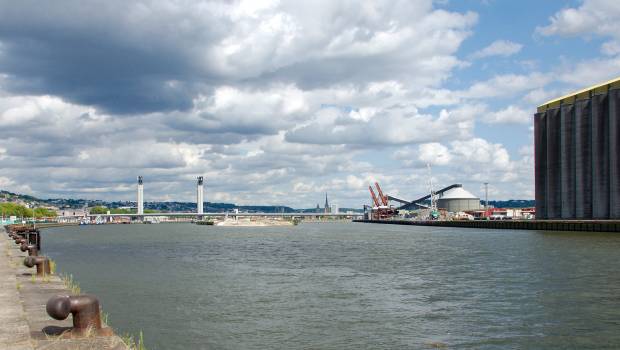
540	225
23	297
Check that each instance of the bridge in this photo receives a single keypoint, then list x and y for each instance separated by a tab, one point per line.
229	214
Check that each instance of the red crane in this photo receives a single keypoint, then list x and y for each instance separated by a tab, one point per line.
384	199
374	197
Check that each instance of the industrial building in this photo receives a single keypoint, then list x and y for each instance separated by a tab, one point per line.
577	167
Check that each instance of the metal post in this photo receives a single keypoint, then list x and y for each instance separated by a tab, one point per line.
486	195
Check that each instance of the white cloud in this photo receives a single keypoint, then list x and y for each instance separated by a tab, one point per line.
498	48
506	85
472	162
592	17
509	115
610	48
540	96
588	72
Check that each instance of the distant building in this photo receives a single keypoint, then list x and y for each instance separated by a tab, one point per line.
72	212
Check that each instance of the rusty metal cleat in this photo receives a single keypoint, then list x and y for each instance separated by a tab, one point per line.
31	248
85	311
41	262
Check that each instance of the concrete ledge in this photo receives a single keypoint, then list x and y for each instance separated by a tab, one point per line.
540	225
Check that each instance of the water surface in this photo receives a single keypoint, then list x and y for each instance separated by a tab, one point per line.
348	285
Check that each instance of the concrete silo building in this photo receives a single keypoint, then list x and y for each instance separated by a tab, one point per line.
457	199
576	139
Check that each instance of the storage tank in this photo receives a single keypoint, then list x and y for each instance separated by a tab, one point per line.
458	199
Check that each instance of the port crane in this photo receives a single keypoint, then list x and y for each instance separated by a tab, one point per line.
381	209
384	199
374	197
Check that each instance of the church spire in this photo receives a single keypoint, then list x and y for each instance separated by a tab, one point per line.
326	204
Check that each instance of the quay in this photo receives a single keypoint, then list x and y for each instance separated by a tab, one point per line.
25	323
540	225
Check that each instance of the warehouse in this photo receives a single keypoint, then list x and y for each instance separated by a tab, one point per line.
577	167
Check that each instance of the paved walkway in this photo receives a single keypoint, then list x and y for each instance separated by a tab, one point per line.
14	330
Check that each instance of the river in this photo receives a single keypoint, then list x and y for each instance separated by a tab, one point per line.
348	285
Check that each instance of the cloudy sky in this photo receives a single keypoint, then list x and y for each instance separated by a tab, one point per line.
278	102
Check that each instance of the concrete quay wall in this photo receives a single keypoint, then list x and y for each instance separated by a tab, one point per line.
541	225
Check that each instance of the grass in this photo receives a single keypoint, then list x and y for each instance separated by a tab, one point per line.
104	317
131	342
71	284
52	267
19	286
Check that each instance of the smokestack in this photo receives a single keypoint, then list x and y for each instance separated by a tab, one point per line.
199	195
140	196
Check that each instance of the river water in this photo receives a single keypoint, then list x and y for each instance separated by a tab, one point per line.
348	285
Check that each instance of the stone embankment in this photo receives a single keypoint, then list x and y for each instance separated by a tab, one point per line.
24	320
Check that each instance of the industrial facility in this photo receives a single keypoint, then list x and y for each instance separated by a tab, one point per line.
451	199
576	160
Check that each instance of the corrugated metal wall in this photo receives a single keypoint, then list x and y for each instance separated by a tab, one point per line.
554	163
567	158
540	163
583	160
614	146
600	157
577	162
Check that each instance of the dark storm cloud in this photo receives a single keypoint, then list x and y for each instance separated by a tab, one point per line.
97	54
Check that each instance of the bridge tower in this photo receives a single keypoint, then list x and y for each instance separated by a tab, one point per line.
200	195
140	203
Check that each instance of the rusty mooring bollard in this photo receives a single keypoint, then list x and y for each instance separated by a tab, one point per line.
41	262
31	248
34	237
85	311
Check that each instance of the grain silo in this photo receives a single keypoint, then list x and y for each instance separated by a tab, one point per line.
576	155
458	199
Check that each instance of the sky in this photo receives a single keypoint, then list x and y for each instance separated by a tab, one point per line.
280	102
